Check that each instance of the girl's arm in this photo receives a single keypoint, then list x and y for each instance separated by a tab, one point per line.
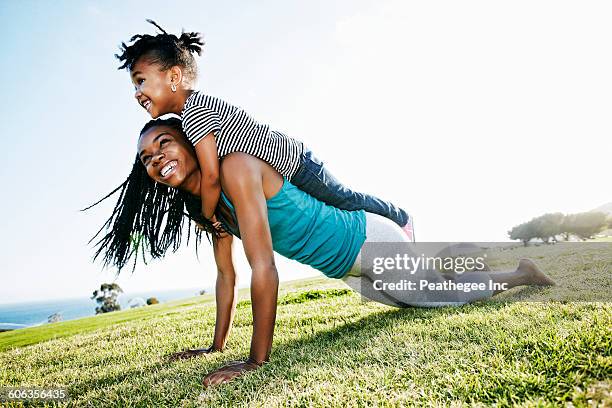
210	188
242	181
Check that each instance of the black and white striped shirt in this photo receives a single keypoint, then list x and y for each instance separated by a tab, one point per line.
236	131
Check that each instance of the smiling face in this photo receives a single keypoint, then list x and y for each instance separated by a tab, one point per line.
152	87
169	159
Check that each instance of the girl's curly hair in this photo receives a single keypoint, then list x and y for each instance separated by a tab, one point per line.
164	49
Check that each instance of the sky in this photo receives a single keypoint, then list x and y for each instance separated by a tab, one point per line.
474	116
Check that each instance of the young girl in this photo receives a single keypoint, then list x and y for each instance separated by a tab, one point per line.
164	73
269	214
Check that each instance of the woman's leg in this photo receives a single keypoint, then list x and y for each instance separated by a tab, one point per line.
527	273
381	230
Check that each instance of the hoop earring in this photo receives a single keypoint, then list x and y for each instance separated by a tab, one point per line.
173	87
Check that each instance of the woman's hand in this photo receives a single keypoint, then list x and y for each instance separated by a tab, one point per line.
228	372
185	354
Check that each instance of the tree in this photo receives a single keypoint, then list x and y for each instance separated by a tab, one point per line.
525	232
152	301
587	224
547	226
567	225
106	297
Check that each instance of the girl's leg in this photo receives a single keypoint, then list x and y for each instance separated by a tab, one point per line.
314	179
379	229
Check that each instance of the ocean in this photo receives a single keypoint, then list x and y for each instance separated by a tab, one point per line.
26	314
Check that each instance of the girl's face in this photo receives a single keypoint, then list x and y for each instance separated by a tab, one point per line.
152	86
168	157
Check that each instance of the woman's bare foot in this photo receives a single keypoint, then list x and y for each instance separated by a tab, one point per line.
534	274
228	372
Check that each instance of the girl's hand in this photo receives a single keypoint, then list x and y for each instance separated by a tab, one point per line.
216	225
228	372
185	354
219	228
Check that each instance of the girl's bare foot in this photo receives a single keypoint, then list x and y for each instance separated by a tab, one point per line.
534	274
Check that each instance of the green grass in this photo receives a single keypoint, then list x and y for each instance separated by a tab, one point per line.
33	335
24	337
332	349
601	239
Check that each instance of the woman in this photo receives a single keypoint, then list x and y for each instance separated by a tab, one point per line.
268	214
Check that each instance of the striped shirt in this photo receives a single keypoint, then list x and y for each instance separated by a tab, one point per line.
236	131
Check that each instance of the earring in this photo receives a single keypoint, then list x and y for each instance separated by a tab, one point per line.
173	87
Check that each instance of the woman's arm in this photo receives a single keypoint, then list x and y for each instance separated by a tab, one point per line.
225	296
225	290
242	181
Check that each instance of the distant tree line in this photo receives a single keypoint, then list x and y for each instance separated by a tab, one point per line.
557	226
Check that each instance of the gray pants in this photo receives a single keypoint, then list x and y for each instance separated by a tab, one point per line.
380	229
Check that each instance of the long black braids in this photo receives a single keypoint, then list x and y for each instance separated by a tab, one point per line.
165	49
149	217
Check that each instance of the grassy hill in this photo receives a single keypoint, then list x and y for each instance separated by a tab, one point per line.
332	349
605	208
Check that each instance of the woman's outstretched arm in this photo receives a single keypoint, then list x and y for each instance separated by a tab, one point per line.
242	181
225	290
225	296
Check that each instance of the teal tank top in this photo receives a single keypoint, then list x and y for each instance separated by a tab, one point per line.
312	232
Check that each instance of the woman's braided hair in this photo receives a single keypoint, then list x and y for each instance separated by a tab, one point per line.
164	49
149	217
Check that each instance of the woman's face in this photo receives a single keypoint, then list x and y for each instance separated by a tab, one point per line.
167	156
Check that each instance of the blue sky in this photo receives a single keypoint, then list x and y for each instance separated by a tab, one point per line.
474	116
